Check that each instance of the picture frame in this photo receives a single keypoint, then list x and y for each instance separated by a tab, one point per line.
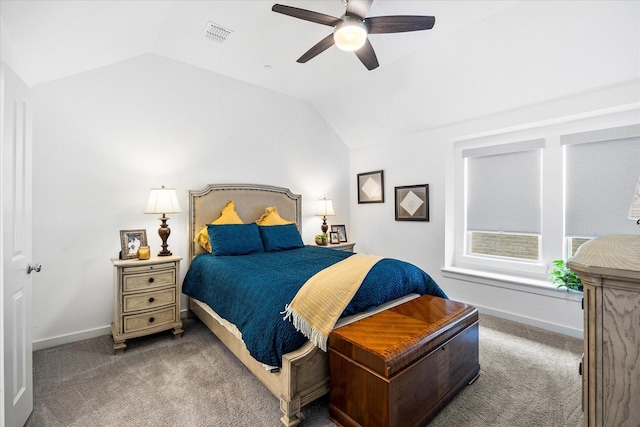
334	237
130	242
341	230
371	187
412	202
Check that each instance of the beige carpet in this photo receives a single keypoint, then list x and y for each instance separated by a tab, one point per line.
528	377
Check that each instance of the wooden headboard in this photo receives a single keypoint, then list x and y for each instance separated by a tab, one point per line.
250	200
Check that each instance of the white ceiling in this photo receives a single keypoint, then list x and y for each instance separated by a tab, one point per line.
61	38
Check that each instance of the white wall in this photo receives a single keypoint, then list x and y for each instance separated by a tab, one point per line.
535	61
104	137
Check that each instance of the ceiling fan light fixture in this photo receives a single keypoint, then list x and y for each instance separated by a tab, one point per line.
350	34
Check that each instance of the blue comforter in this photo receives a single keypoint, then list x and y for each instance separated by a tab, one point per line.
251	291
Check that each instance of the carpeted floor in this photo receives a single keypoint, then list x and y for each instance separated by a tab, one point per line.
528	377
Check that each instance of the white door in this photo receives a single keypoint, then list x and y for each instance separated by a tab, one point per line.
16	385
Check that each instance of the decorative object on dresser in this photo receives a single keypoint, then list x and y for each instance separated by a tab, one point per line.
609	267
325	208
334	238
163	201
130	242
400	367
634	210
341	230
371	187
146	298
412	202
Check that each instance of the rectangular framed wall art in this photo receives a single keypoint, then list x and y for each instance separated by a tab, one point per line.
412	202
371	187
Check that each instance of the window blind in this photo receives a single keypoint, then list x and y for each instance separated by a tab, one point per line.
503	191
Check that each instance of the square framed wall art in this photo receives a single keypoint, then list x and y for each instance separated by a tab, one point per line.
371	187
412	202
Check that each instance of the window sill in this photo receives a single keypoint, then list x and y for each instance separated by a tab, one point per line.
521	284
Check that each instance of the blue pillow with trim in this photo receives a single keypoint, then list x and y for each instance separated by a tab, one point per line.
280	237
234	239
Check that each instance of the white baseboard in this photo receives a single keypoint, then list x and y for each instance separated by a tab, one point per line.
79	336
576	333
72	337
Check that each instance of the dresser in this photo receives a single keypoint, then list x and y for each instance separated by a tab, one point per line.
146	298
609	268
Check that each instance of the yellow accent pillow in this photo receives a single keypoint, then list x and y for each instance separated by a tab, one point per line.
272	217
227	216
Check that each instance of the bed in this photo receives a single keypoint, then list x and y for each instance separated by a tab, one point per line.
298	373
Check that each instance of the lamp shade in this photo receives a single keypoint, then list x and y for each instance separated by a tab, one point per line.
350	34
325	207
162	201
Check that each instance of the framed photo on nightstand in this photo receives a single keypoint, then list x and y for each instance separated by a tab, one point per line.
130	242
334	237
341	230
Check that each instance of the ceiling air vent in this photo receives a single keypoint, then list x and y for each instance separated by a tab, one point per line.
215	32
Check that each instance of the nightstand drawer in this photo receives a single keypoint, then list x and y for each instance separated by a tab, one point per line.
152	279
146	268
151	319
149	300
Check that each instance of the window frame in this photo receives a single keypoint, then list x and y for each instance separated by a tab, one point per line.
553	244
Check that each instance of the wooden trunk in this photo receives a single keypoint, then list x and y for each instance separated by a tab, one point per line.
400	367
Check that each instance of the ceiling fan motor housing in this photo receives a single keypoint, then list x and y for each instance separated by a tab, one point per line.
350	34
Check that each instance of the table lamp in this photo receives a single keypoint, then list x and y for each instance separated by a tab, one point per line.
163	201
325	208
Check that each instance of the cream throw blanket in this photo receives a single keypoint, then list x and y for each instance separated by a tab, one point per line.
319	303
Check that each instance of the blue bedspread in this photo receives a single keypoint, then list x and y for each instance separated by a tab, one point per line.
251	291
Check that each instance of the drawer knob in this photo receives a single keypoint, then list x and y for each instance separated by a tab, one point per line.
150	279
151	319
152	299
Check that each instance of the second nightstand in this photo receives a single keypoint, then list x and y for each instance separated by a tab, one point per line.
146	298
344	246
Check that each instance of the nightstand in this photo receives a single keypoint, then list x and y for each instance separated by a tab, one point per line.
146	298
344	246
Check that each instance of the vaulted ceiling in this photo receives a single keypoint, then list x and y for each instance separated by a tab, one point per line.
59	38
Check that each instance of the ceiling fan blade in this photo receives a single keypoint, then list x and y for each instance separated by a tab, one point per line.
358	8
317	49
399	24
307	15
367	56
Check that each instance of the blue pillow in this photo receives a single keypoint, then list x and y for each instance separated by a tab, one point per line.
234	239
280	237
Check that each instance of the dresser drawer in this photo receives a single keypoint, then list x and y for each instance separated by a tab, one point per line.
152	319
149	280
148	300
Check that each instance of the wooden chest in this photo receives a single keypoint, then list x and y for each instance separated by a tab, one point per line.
400	367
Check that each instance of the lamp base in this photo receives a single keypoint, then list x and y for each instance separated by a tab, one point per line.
324	227
164	231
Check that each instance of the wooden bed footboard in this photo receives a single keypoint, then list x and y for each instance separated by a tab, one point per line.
303	378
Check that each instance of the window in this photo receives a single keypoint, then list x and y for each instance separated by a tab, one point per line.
503	200
526	196
600	170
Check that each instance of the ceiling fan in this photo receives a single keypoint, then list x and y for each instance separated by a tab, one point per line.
351	30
